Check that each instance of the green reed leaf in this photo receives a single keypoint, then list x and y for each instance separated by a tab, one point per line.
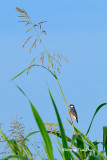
63	137
43	131
97	110
41	126
11	143
16	157
89	142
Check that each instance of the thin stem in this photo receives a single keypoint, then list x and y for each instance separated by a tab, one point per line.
66	104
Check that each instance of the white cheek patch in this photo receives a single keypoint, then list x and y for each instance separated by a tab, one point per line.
71	106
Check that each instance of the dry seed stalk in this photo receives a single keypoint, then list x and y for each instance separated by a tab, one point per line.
56	60
65	59
22	16
26	41
22	11
59	56
32	46
42	58
25	13
42	22
27	24
29	30
24	21
19	10
35	25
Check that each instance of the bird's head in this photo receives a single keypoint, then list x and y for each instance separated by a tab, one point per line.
71	106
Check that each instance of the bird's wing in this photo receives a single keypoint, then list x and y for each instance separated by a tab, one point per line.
73	111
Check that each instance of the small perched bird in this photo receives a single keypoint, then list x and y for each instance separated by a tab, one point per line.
73	112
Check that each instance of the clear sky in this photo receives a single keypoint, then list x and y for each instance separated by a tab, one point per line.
76	29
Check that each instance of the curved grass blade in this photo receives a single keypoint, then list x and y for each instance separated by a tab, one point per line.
27	150
98	108
10	143
77	155
31	67
41	126
43	131
28	136
63	137
15	148
16	156
61	149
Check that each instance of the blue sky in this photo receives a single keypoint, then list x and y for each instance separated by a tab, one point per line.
76	29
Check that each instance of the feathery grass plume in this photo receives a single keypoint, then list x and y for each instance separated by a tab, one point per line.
53	60
22	11
17	129
14	142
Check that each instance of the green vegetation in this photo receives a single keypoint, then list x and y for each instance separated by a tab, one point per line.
79	146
